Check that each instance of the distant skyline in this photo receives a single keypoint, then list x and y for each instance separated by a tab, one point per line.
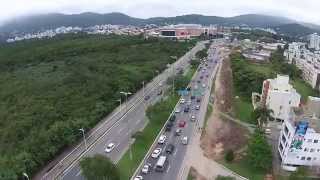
306	11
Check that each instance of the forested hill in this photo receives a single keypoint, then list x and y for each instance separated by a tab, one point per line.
51	88
49	21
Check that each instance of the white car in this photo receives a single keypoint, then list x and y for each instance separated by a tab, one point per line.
197	107
162	139
203	85
138	178
193	118
189	102
177	110
184	140
145	168
182	101
156	153
109	148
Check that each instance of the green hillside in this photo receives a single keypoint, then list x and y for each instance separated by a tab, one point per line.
51	88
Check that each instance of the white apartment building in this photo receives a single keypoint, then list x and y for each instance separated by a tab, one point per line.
279	96
314	41
307	61
299	140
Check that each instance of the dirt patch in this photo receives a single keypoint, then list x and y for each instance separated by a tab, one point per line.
222	134
195	175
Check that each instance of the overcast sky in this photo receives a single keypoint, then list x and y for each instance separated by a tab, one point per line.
301	10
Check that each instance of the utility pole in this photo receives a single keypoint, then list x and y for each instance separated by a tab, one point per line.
84	138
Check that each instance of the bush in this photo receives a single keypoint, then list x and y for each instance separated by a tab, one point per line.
229	156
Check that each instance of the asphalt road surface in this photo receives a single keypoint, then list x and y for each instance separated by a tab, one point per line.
114	128
175	159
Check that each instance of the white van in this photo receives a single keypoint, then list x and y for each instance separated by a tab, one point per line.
161	164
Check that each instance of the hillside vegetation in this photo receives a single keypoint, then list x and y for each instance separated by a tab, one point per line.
51	88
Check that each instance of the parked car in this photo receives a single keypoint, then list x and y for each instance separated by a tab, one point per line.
169	126
146	168
172	118
138	178
182	124
170	148
156	153
162	139
177	110
109	148
178	132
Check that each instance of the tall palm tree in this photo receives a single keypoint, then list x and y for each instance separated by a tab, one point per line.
262	115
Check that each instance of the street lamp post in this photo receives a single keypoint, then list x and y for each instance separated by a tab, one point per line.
84	138
119	100
26	175
129	132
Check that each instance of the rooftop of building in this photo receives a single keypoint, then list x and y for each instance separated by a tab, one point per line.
309	114
281	83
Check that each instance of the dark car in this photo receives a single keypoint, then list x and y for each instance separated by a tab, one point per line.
199	81
172	118
178	132
192	97
198	100
186	109
147	98
169	126
188	88
201	77
159	92
170	148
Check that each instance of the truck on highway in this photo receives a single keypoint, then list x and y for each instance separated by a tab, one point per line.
161	164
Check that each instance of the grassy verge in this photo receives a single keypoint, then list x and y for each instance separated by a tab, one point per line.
208	113
303	89
157	114
243	168
190	177
243	109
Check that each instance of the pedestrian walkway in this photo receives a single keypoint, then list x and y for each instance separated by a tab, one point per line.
250	127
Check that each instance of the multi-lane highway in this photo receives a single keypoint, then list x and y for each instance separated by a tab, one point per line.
130	114
194	119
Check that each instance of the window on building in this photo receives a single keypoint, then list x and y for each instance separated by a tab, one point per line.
315	141
289	102
309	140
306	149
318	150
309	158
314	158
303	158
311	150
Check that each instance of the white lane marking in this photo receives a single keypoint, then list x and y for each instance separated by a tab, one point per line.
168	168
78	174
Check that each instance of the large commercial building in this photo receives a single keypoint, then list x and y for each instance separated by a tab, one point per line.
307	61
187	31
314	41
299	140
279	96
